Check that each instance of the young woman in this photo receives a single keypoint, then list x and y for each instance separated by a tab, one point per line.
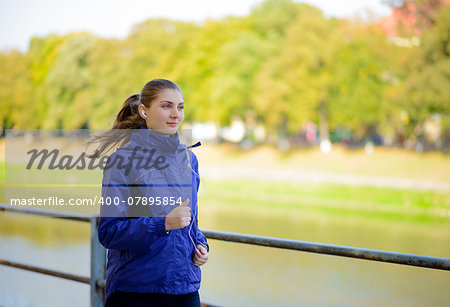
148	217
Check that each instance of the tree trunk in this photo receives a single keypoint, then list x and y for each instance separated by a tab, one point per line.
325	143
323	122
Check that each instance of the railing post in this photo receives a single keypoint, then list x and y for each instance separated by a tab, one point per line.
98	262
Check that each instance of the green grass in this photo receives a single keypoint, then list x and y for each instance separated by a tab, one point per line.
384	162
332	199
358	201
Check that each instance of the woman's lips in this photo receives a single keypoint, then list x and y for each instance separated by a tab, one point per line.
172	124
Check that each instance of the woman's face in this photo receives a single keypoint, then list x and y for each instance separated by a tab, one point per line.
166	113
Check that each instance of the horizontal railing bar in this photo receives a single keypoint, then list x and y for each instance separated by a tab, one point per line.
47	213
320	248
100	283
32	268
336	250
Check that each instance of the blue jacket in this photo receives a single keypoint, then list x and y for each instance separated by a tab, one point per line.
142	255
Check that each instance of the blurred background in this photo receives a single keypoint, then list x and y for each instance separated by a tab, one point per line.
323	121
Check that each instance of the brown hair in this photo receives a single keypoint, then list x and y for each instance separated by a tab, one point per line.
129	118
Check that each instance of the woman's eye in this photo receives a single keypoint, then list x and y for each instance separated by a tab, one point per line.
166	106
181	107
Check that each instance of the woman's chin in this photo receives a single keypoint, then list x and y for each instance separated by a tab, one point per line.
165	131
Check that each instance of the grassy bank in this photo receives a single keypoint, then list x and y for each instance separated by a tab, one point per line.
262	197
384	162
367	202
245	194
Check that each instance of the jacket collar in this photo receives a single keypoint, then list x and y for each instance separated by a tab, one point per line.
147	138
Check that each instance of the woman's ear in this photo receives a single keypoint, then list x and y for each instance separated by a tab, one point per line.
142	112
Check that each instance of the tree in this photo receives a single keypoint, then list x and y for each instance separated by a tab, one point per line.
426	87
15	90
293	86
361	79
67	78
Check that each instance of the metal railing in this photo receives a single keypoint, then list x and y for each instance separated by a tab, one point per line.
335	250
98	252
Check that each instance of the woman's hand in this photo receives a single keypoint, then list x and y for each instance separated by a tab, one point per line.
179	217
201	255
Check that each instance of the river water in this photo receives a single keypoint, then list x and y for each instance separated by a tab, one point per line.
241	275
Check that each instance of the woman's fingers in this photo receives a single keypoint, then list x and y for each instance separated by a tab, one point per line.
198	253
186	211
185	221
179	217
199	262
200	256
202	249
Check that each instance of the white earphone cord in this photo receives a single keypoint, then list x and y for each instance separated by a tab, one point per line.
198	197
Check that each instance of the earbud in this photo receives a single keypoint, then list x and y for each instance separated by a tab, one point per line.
143	114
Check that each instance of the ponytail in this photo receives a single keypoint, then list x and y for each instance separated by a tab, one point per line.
127	118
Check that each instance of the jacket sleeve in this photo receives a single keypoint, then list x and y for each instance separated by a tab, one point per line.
200	236
116	230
